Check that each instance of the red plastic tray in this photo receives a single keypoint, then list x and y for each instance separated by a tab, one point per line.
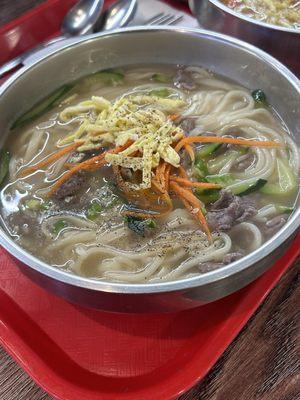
80	354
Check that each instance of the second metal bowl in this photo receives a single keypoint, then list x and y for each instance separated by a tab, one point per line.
283	43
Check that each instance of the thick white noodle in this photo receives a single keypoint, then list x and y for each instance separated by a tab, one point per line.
214	252
255	236
136	276
178	246
73	221
72	238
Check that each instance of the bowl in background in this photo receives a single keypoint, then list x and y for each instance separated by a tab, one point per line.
283	43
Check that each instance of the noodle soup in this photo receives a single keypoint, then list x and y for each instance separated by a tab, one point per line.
284	13
148	174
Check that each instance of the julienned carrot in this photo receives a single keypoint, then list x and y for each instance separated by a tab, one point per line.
173	117
160	175
89	165
167	176
143	214
217	139
86	165
194	203
198	215
188	183
189	149
50	159
163	194
156	186
188	195
162	178
182	172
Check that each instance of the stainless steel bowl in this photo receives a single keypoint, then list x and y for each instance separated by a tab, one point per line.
232	58
281	42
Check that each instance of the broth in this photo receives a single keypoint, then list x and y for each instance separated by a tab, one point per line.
107	185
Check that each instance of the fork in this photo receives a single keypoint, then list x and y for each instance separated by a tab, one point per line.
164	19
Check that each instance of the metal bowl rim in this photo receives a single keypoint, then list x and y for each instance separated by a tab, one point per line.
236	14
164	287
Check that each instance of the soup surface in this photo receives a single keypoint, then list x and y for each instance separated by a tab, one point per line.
148	174
285	13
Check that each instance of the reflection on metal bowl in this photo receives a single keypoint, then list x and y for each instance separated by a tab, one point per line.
223	55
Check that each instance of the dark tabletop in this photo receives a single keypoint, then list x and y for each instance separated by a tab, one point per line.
263	363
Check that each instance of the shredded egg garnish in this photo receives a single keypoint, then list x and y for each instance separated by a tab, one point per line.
142	119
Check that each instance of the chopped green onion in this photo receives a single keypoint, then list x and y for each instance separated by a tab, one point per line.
93	211
59	225
150	223
45	205
35	204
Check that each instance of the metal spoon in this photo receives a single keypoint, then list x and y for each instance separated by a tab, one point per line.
78	21
81	19
126	8
119	14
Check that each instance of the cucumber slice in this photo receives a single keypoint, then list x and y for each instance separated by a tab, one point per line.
287	181
160	78
207	195
42	107
216	164
164	92
284	209
224	179
200	169
207	150
4	164
242	188
111	78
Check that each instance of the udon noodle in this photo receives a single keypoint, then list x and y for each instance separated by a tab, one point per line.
103	209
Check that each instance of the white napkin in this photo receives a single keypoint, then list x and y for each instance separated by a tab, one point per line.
147	9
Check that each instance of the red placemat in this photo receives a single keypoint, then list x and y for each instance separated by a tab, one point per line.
80	354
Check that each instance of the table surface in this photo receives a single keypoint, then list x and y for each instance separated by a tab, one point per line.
262	363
